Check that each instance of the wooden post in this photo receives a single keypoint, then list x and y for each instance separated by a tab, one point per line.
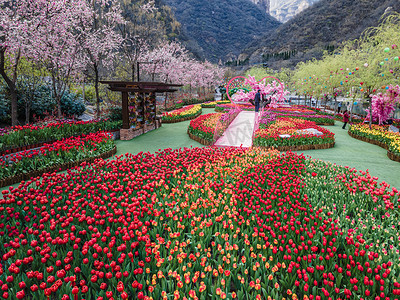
125	111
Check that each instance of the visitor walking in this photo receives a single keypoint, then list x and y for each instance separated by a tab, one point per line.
257	100
339	107
345	119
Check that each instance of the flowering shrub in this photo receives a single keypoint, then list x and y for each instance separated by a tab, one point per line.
268	135
206	223
18	136
204	126
182	114
383	105
380	134
57	153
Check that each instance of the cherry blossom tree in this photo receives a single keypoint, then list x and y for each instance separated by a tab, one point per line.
99	39
275	91
18	26
145	27
383	105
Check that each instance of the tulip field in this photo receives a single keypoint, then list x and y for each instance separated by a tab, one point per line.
201	223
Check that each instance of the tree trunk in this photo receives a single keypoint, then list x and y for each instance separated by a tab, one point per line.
12	87
58	103
351	112
133	71
370	112
83	91
96	88
14	105
27	111
335	108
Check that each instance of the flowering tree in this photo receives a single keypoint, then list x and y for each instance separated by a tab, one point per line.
169	60
18	26
144	28
99	39
383	105
275	91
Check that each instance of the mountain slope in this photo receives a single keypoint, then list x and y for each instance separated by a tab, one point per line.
325	24
221	29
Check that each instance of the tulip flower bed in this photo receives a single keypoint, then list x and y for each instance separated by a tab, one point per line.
206	129
202	223
318	119
14	138
214	103
202	128
229	106
61	154
183	114
283	134
378	135
295	109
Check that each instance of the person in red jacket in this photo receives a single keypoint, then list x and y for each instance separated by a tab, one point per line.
345	119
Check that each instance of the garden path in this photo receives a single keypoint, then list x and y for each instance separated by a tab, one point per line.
240	131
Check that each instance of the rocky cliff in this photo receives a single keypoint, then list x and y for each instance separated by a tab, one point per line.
283	10
265	5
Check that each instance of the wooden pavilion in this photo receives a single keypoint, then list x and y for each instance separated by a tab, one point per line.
139	105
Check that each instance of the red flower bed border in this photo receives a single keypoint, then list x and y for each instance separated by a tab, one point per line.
62	167
391	155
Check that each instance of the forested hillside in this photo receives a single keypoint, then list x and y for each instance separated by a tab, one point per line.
221	29
321	27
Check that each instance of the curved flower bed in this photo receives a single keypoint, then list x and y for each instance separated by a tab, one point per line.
318	119
206	129
206	223
183	114
288	134
295	109
378	135
214	103
61	154
226	107
19	138
202	128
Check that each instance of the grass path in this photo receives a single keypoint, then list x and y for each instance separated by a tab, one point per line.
347	151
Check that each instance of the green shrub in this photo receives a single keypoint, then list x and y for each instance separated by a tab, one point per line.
115	113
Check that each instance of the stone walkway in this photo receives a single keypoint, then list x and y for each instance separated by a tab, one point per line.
240	132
